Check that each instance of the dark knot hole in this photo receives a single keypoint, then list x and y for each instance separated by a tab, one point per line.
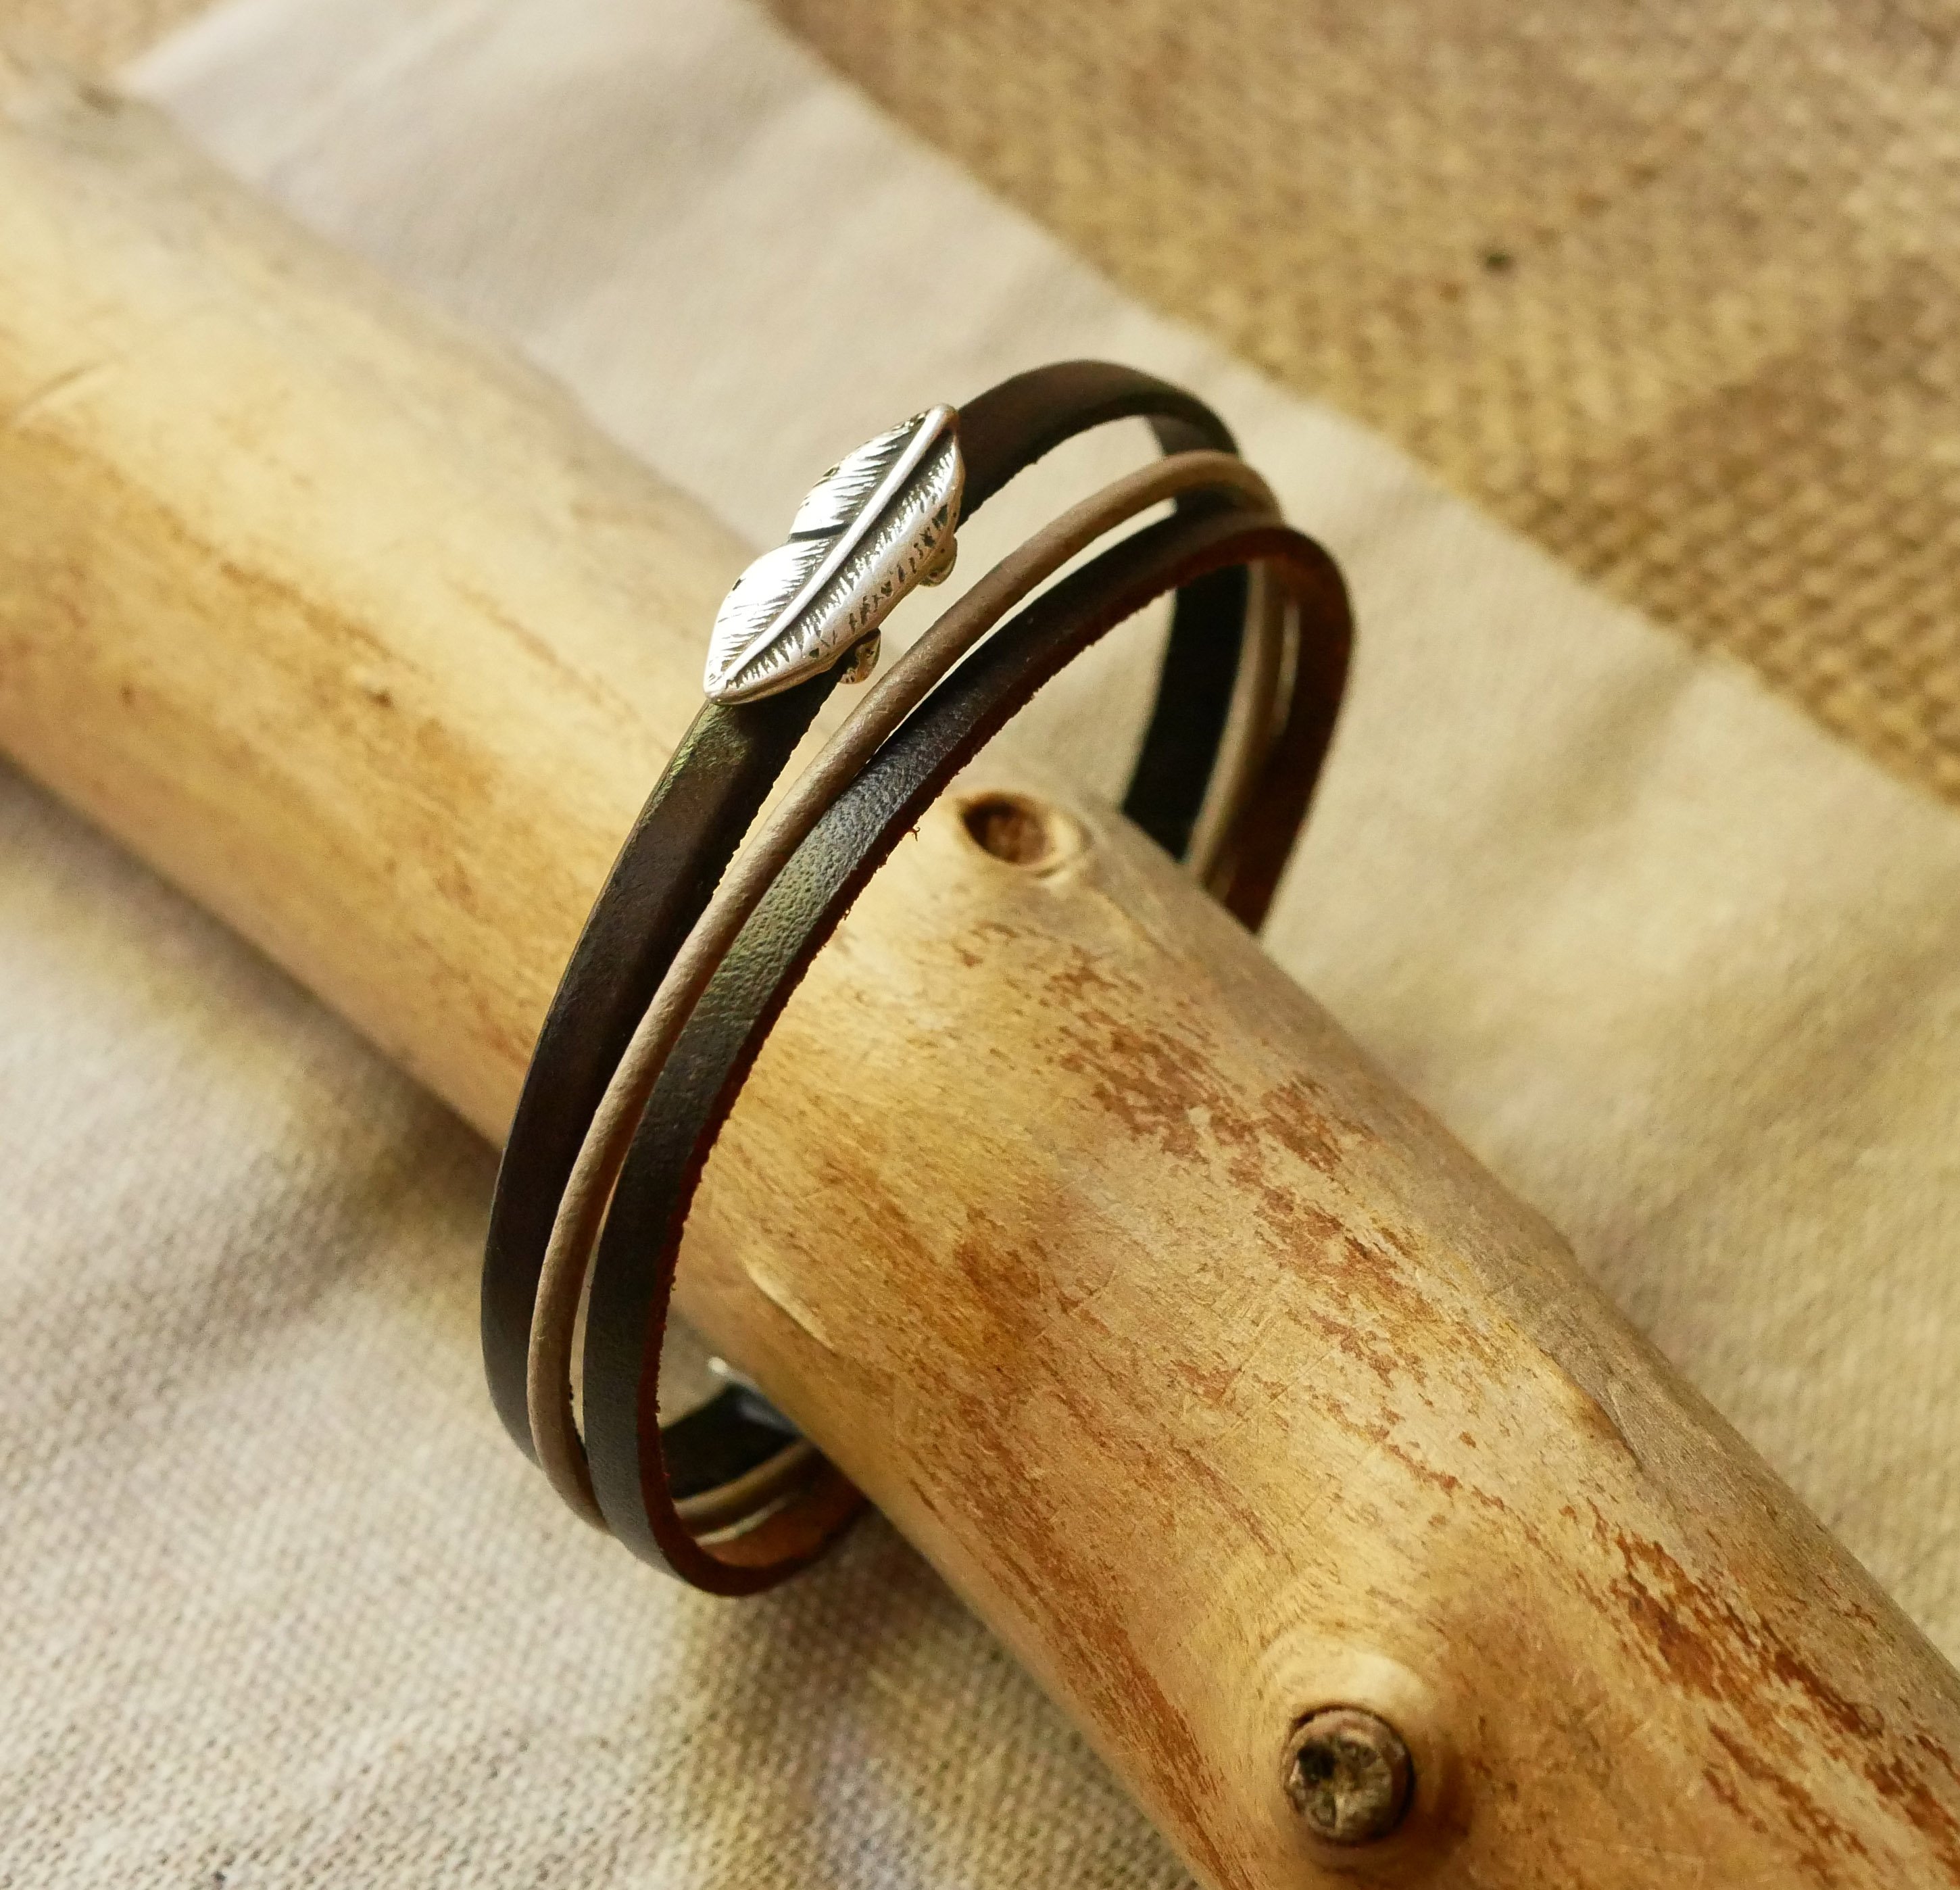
1012	827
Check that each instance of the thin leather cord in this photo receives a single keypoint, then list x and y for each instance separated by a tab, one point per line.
582	1211
1251	726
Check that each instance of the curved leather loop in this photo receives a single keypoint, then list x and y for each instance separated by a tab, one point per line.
708	796
1004	431
737	1445
1012	425
632	1277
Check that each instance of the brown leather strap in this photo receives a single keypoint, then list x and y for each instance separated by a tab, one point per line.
1010	426
632	1277
704	802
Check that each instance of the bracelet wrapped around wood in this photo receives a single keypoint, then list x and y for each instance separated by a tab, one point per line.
710	792
726	1497
898	693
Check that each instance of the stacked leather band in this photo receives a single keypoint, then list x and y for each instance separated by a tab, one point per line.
691	951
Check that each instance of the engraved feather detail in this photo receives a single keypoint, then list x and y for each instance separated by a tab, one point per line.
878	523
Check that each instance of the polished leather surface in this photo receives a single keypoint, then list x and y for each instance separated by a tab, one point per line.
632	1279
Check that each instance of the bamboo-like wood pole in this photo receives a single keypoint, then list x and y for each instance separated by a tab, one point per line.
1216	1376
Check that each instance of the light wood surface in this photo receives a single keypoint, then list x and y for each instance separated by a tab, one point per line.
92	35
1214	1375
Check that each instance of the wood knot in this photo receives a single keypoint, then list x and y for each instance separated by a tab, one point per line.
1348	1775
1013	828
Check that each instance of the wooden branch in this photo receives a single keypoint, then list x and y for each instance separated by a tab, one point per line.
1213	1373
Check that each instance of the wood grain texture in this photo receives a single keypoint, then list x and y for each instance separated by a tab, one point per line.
94	35
1213	1373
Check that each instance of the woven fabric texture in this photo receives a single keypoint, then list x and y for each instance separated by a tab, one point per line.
1675	288
285	1608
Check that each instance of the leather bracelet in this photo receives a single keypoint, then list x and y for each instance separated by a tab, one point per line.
696	1087
1223	477
719	1468
713	788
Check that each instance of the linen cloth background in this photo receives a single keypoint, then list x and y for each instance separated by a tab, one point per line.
282	1605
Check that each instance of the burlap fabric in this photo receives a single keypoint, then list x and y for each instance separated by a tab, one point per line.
282	1605
1673	287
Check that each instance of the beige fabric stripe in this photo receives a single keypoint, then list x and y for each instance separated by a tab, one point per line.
1674	288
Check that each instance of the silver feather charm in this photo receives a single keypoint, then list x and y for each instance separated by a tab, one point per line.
878	523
